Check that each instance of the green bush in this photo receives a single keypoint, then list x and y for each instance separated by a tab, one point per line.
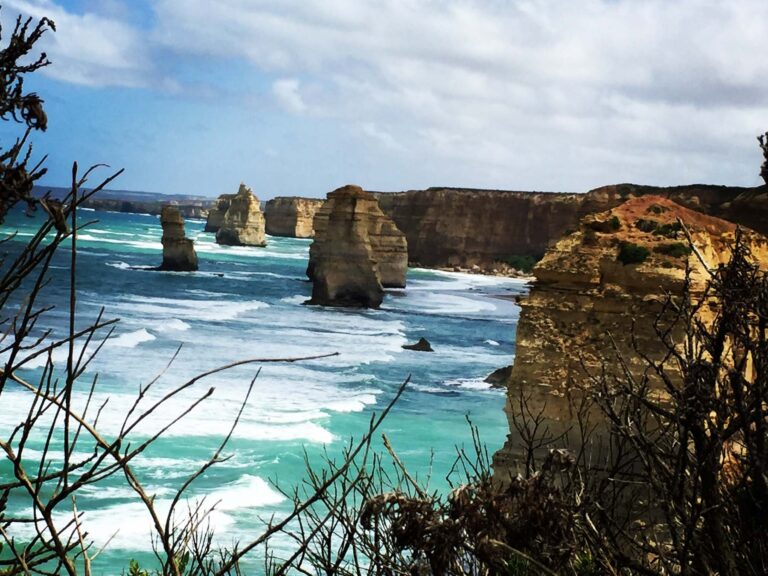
668	230
656	209
522	262
646	225
675	250
630	253
605	226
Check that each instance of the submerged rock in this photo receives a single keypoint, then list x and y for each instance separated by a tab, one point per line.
291	216
243	223
178	250
422	345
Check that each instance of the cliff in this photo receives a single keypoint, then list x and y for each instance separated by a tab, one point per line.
178	250
357	250
465	227
217	211
458	227
291	216
608	276
243	222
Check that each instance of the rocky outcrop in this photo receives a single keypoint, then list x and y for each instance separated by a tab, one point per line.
356	252
609	276
291	216
388	244
217	211
178	250
243	223
423	345
453	227
462	227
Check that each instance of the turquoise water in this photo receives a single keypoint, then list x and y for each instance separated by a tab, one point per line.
247	303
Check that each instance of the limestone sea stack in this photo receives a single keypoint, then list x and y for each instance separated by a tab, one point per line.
178	250
243	223
354	243
609	276
216	213
291	216
388	243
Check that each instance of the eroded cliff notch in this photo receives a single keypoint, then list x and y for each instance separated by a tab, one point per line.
178	251
243	222
357	251
599	295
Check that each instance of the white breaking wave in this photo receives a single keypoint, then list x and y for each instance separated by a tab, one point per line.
491	342
131	339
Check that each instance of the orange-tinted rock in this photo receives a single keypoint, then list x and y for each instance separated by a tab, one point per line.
216	213
243	223
583	292
291	216
178	250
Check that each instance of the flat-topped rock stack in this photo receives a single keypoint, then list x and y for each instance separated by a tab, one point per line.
609	276
243	222
357	251
291	216
178	250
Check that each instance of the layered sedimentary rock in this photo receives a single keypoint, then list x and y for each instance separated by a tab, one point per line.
389	245
464	227
217	211
291	216
243	223
356	252
610	276
458	227
178	250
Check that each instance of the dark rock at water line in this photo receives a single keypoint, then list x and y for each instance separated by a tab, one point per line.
498	378
422	345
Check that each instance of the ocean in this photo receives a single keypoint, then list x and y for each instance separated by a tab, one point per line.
248	303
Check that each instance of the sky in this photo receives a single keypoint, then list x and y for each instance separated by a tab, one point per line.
299	97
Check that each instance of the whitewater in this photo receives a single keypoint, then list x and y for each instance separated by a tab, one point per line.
249	303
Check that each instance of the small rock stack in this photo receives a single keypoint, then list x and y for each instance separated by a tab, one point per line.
243	223
178	250
357	251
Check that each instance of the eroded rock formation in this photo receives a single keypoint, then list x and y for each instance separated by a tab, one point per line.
216	213
243	223
291	216
356	252
448	227
178	250
609	276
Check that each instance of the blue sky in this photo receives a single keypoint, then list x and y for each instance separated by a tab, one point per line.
298	97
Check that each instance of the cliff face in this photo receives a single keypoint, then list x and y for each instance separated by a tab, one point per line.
178	250
455	227
458	227
583	291
243	223
357	250
291	216
217	211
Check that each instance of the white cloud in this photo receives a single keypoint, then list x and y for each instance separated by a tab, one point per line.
546	94
286	92
89	49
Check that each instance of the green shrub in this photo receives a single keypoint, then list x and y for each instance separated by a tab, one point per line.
605	226
675	249
668	230
522	262
630	253
656	209
646	225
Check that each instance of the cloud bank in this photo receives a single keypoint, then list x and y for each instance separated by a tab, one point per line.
526	94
